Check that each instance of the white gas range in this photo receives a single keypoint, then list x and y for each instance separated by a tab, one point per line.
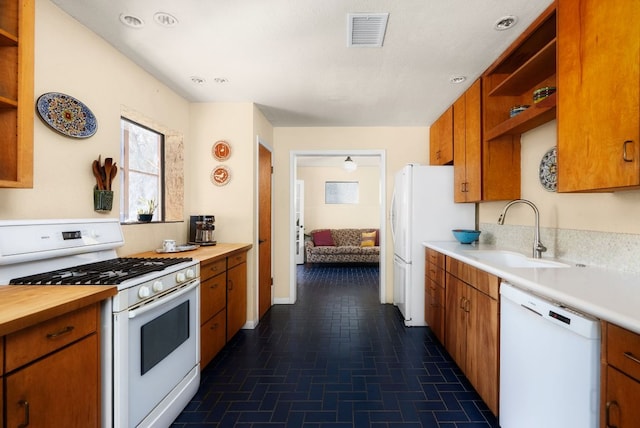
150	329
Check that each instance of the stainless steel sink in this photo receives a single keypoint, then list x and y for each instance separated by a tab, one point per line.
513	259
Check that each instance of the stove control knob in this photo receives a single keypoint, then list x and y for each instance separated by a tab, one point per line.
180	277
144	292
157	286
191	273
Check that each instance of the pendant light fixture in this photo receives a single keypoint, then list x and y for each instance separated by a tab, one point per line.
349	164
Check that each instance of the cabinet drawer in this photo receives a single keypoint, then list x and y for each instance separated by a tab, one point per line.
213	296
236	259
209	269
435	257
462	271
623	350
435	293
478	279
487	284
212	337
435	273
31	343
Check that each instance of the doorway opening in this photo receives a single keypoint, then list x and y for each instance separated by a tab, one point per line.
375	161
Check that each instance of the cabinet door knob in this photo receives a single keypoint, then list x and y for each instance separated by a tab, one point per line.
625	157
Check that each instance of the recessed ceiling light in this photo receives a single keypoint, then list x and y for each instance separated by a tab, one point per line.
198	80
457	79
220	80
131	21
165	19
505	22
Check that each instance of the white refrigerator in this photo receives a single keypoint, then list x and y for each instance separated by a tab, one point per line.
422	209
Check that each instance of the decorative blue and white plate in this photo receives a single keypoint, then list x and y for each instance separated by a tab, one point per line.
549	170
66	115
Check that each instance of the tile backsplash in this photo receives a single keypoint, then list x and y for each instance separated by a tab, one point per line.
616	251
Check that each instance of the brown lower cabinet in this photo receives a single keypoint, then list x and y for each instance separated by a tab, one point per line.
620	377
1	379
472	320
213	309
236	294
434	293
223	302
52	372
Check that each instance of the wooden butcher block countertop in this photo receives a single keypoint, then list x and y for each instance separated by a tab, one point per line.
26	305
203	253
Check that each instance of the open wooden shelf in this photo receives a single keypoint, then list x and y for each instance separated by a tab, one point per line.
539	67
536	115
7	39
8	102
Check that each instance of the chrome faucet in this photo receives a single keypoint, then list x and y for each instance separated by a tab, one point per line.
538	248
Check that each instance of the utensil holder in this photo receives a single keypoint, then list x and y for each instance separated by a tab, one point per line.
102	200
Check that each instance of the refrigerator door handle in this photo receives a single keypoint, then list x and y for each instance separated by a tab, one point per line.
392	216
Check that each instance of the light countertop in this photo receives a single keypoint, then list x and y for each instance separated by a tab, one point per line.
606	294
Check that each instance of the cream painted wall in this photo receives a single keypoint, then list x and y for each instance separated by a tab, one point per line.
318	215
234	205
604	212
75	61
402	145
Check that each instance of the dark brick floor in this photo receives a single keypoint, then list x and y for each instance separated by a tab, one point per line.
337	358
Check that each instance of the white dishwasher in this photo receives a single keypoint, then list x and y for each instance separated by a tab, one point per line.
549	363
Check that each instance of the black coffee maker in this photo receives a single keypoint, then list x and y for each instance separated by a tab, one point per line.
202	230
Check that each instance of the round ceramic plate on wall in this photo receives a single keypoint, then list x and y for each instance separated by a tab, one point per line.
221	150
66	115
549	170
220	175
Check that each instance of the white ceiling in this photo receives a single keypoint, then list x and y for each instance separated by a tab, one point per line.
290	57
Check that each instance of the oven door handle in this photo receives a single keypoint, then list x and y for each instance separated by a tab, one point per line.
175	294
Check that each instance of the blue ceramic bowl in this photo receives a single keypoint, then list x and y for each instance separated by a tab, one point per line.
465	236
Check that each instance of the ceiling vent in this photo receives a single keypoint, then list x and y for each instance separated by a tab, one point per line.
366	29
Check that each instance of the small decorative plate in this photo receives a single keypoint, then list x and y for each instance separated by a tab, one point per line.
220	175
221	150
549	170
66	115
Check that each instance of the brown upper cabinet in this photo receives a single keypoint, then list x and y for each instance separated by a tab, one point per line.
16	93
483	170
441	139
599	95
467	145
486	138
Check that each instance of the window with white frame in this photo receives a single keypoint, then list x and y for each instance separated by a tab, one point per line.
142	174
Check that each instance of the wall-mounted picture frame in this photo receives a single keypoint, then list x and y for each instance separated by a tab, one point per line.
341	192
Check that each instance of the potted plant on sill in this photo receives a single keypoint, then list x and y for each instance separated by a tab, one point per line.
145	213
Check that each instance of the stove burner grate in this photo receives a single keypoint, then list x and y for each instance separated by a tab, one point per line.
108	272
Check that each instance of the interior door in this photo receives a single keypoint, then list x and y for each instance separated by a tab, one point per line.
265	280
299	222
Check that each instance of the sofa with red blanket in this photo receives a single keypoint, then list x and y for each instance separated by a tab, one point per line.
343	246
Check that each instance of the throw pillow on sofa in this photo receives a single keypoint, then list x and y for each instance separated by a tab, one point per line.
368	239
323	238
